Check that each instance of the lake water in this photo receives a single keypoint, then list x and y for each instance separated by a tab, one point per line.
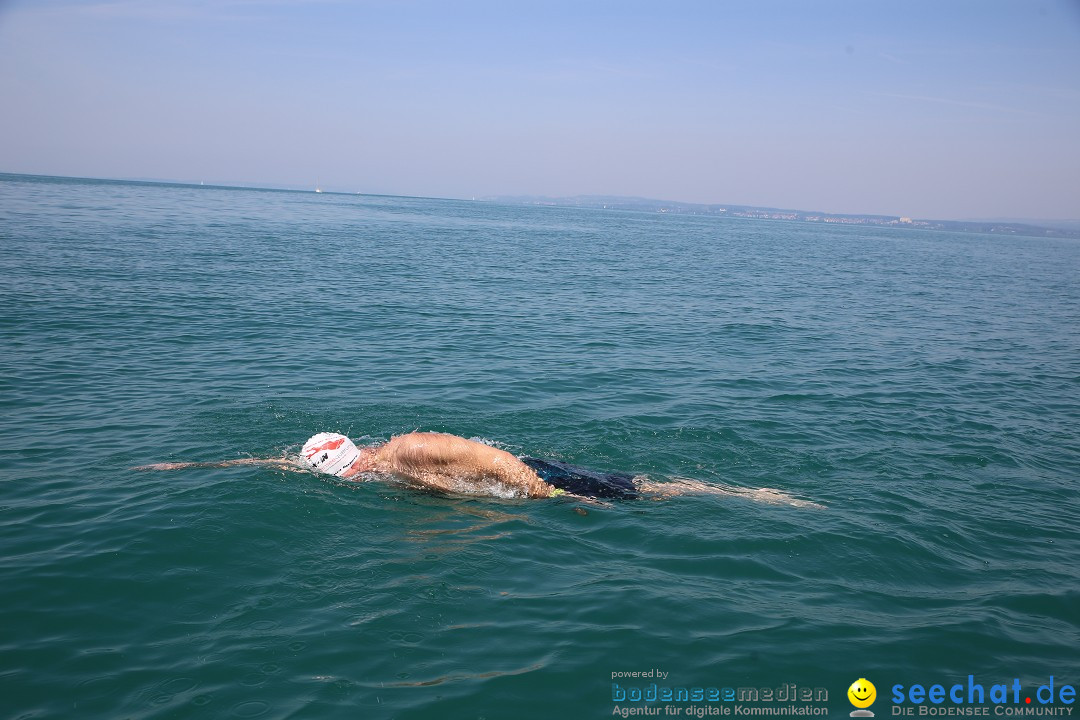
924	386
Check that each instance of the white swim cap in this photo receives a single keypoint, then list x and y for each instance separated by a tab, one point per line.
330	453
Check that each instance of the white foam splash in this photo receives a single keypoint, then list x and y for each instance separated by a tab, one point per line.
487	487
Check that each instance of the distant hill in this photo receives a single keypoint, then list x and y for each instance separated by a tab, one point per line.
1060	228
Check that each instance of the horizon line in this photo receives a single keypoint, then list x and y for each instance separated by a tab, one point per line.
520	199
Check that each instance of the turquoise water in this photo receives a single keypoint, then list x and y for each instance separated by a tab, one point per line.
924	386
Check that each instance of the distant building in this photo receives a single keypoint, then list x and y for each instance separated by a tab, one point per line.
906	221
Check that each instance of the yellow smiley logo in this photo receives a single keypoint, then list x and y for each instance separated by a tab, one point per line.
862	693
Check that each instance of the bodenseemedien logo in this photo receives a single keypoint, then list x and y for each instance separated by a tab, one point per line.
862	694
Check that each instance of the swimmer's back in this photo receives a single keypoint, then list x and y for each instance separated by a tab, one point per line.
443	462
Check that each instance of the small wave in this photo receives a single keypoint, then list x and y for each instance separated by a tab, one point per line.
494	443
468	676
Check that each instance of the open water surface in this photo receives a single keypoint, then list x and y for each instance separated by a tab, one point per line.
924	386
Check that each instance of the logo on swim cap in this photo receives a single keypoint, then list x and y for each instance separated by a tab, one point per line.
330	453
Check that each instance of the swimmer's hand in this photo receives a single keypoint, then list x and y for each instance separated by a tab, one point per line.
559	492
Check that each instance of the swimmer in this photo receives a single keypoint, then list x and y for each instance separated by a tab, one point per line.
452	464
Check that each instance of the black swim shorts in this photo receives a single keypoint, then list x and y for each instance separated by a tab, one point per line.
588	483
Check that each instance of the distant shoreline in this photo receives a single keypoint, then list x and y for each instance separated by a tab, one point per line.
1069	229
601	202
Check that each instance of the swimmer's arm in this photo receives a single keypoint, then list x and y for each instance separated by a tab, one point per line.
282	463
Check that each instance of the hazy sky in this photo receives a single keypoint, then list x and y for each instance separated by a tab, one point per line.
941	109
